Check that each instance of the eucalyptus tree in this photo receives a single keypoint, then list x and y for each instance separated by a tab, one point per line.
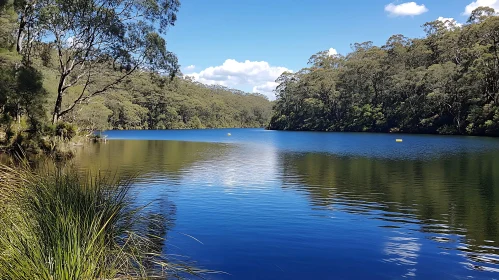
480	14
99	43
446	82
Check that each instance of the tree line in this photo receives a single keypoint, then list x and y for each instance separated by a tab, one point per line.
444	83
86	65
143	103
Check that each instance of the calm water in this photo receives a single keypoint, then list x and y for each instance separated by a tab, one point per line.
299	205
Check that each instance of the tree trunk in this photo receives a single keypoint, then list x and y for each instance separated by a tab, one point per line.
57	108
20	38
21	31
60	92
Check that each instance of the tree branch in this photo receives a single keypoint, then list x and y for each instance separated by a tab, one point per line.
82	98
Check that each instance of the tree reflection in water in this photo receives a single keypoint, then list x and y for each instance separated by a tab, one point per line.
451	200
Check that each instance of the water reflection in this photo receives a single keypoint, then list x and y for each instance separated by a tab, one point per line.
150	159
457	191
403	250
239	168
421	212
454	200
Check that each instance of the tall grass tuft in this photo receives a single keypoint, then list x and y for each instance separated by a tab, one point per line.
60	225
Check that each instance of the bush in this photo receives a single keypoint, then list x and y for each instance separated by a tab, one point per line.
447	130
65	130
49	130
24	143
44	141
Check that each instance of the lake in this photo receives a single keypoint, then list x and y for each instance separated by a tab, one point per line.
302	205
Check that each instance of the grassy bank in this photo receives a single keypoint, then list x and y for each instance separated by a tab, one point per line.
60	225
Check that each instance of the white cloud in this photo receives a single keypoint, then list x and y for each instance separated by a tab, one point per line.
332	52
73	42
494	4
190	67
258	75
266	89
406	9
450	23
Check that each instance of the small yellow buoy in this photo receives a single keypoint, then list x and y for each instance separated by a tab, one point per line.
228	134
399	140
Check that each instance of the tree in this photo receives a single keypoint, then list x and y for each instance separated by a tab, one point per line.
446	83
93	116
480	14
21	92
7	23
95	39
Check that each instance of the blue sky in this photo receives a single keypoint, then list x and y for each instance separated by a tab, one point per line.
263	38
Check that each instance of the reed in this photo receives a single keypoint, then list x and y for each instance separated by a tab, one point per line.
61	225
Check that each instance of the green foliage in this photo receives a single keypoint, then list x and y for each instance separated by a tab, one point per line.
65	130
148	103
91	35
447	83
60	225
92	116
31	93
21	91
7	24
95	79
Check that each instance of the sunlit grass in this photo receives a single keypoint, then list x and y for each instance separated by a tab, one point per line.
60	225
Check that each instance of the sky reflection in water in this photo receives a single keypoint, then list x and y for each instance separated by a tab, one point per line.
291	205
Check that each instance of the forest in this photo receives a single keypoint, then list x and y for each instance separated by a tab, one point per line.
444	83
61	77
69	68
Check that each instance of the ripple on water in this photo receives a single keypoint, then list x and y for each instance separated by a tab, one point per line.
308	206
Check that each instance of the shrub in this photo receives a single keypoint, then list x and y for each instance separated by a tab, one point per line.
65	130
